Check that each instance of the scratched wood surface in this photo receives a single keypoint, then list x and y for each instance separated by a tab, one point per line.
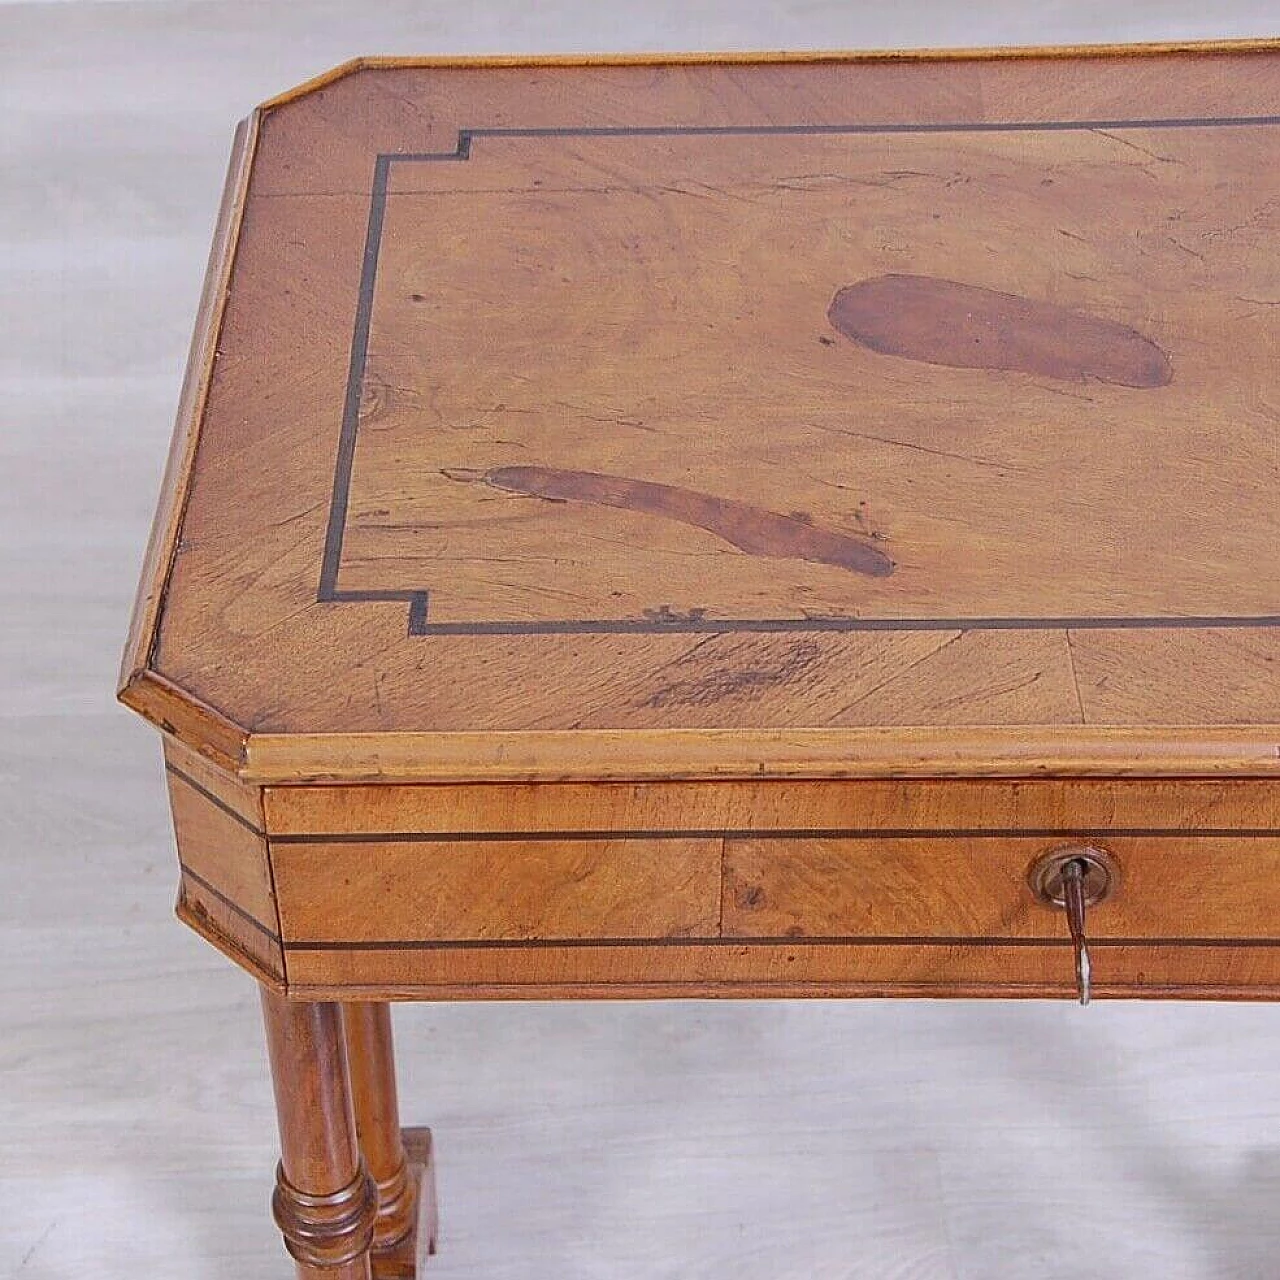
786	399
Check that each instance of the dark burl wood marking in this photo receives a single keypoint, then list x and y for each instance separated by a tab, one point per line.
751	529
968	327
733	679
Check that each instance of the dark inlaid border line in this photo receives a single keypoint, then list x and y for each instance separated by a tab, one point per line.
216	801
890	940
418	598
466	136
214	892
628	626
506	835
774	833
340	497
544	944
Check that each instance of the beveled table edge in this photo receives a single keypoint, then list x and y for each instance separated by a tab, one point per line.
741	57
598	755
614	754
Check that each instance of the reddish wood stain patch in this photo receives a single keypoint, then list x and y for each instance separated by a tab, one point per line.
968	327
751	529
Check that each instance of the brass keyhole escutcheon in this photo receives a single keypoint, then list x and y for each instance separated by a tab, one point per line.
1075	877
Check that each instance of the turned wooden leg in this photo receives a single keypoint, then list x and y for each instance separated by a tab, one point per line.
399	1162
325	1203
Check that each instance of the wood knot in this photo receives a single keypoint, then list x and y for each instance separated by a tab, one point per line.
326	1230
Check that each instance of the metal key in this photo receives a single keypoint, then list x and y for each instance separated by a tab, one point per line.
1073	895
1073	878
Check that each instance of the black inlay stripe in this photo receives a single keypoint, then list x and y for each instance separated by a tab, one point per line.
816	988
633	626
812	989
895	940
355	378
465	136
983	126
417	598
776	833
216	801
230	904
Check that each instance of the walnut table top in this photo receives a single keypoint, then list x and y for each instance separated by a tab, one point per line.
706	525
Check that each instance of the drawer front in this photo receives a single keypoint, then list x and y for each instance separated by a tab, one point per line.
927	886
477	890
794	968
807	888
919	914
916	885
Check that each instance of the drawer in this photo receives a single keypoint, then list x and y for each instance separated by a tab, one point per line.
771	888
481	889
1185	886
926	885
921	913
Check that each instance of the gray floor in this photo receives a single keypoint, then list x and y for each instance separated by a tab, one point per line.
905	1141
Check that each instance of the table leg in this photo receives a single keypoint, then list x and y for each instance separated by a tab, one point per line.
325	1201
400	1162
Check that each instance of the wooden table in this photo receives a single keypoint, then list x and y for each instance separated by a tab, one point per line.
713	527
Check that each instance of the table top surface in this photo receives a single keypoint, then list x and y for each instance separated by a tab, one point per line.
673	418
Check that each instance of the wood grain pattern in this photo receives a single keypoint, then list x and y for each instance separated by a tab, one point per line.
187	720
392	869
499	891
1185	887
756	531
842	1086
860	868
816	805
408	1260
642	317
227	893
794	968
871	865
1040	53
419	1146
603	500
1009	751
221	787
165	528
222	851
970	482
232	931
